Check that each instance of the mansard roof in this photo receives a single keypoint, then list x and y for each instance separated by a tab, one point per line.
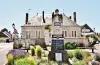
38	20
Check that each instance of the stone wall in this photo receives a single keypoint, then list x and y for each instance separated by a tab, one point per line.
76	39
27	42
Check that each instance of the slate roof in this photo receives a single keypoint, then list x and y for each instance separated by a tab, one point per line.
38	20
87	27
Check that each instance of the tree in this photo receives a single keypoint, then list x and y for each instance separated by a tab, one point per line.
4	30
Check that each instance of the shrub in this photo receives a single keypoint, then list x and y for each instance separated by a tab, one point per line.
79	63
78	54
43	45
87	59
80	45
20	46
70	54
38	51
45	62
22	61
74	45
45	54
32	50
15	46
10	59
86	54
32	61
95	63
97	57
17	53
48	27
70	45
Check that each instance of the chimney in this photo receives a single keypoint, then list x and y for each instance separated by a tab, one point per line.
26	18
43	17
74	15
70	17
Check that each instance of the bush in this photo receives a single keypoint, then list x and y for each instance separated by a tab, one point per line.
22	61
15	46
70	45
43	45
38	51
70	54
17	53
32	61
95	63
32	50
20	46
79	63
86	54
10	59
45	62
97	57
87	59
78	54
80	45
45	54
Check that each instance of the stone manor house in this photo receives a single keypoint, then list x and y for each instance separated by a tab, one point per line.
34	29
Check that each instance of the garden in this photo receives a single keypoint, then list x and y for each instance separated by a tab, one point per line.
36	55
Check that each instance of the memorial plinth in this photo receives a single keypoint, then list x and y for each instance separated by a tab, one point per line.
57	52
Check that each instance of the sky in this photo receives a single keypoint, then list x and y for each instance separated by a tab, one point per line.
13	11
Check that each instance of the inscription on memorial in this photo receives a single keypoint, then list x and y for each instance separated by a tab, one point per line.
57	45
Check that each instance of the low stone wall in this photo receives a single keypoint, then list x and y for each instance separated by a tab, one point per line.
77	40
27	42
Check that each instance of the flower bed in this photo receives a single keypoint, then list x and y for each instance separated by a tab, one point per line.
40	57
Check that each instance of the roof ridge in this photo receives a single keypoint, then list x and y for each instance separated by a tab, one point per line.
70	19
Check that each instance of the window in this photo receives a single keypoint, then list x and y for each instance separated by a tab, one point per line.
38	34
29	34
73	33
64	33
26	34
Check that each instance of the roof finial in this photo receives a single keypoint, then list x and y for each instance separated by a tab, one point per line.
29	10
63	10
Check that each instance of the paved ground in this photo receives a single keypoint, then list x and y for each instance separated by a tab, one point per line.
97	50
4	48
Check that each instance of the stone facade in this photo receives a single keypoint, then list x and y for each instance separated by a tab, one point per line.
34	29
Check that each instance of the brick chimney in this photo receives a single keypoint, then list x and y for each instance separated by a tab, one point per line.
43	17
26	18
70	17
74	15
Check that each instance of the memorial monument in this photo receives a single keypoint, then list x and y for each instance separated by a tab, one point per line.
57	52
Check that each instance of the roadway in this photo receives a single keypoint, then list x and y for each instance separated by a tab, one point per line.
4	48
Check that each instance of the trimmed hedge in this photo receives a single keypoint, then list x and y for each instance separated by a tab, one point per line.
10	59
70	45
32	50
39	51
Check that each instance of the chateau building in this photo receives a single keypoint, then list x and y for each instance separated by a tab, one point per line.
34	29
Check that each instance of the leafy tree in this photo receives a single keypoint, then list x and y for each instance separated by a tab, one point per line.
4	30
